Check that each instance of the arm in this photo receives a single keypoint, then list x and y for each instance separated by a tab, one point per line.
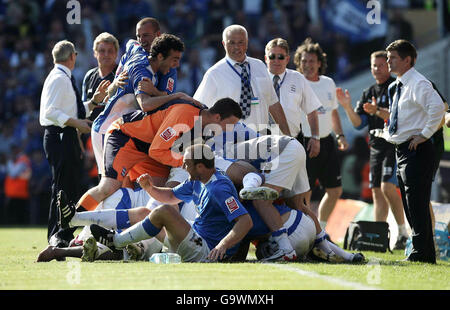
148	103
337	128
278	115
240	229
345	100
313	145
162	194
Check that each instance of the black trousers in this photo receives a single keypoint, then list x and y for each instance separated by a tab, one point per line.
63	153
415	175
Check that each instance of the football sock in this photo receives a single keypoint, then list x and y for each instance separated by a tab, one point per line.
322	243
139	231
340	252
88	202
402	230
280	236
115	219
252	179
323	224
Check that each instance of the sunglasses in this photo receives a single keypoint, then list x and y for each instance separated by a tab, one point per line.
279	56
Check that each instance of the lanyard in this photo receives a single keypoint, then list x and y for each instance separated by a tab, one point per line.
247	82
277	89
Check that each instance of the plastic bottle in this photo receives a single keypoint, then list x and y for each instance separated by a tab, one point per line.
165	258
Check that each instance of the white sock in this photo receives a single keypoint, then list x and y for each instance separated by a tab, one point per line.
402	230
104	218
283	242
322	243
323	224
139	231
252	179
340	252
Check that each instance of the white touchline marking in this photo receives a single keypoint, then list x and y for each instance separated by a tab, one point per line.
311	274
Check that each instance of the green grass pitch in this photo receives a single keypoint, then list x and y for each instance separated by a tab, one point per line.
19	248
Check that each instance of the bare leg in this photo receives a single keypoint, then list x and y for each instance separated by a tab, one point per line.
380	205
328	202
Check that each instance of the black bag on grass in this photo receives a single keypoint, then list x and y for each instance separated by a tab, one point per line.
367	236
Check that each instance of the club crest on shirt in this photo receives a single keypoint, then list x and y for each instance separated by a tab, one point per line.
232	204
168	134
170	84
293	88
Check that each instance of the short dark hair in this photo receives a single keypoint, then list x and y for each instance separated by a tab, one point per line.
404	49
226	107
165	43
379	54
202	154
308	46
149	20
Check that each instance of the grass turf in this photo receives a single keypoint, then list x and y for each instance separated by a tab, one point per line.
19	248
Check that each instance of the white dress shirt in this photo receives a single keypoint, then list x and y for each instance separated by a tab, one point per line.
325	90
58	100
420	108
221	81
297	98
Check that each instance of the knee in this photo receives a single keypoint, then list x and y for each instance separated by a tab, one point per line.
162	211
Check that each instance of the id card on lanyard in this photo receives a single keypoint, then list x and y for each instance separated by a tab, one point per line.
255	100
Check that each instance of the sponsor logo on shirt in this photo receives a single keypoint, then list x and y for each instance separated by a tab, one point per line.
232	204
168	134
170	83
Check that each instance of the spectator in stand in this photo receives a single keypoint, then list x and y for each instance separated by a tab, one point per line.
18	174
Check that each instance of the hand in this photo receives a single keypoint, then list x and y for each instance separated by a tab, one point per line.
145	181
147	87
122	79
313	147
101	91
371	107
415	141
342	143
83	125
447	119
344	98
183	96
217	253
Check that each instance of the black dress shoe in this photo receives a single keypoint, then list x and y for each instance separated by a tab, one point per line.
416	258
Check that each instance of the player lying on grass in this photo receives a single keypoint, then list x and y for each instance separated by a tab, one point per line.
282	161
301	232
215	233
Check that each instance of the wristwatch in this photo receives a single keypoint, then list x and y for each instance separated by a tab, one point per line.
340	136
316	137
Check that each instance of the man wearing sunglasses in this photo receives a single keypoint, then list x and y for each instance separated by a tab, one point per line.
295	95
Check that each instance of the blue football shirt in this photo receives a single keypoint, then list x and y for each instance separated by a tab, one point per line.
217	204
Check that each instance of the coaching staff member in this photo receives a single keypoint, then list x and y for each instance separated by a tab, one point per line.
416	111
62	113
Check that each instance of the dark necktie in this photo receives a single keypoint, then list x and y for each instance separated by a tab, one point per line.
276	79
246	92
81	112
394	113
